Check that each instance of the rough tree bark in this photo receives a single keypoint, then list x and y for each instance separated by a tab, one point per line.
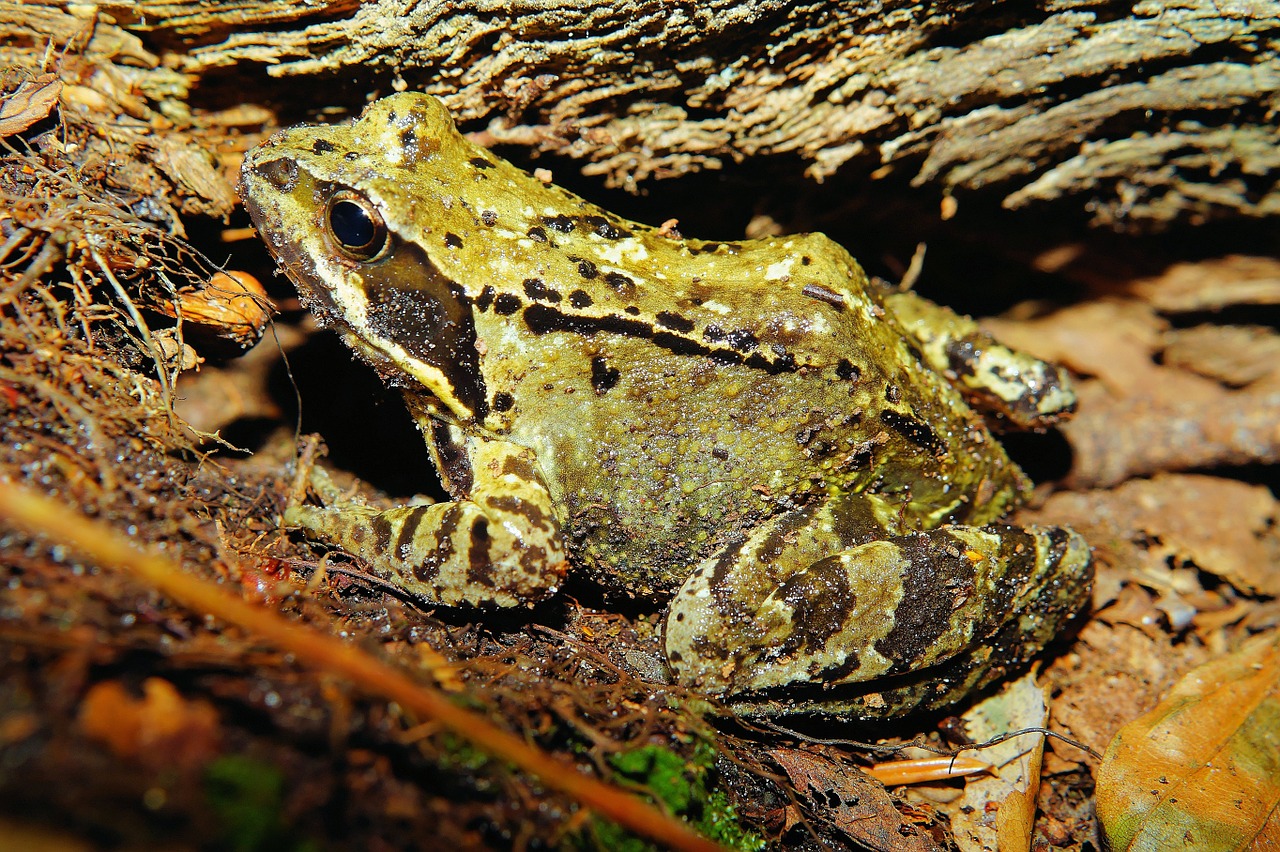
1144	113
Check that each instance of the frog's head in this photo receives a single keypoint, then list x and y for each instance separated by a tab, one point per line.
357	217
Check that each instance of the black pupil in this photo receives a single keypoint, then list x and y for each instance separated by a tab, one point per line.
351	225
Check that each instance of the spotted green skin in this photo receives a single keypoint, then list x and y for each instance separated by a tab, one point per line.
751	430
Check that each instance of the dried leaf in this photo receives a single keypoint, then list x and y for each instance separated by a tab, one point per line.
1112	340
1202	770
1225	527
1234	355
1148	410
1114	672
1213	284
233	307
192	167
852	801
1176	421
32	101
160	728
998	812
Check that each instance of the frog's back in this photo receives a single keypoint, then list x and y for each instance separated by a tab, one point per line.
659	461
765	382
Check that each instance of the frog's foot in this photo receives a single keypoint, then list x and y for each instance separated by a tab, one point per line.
502	547
1024	391
742	622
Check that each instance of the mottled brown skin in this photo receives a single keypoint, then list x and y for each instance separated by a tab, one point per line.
746	426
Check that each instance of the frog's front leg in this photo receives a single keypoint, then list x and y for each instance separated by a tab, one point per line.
763	614
500	546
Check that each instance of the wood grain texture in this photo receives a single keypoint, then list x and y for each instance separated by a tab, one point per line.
1142	113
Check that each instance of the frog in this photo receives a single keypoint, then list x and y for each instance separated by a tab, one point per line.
794	462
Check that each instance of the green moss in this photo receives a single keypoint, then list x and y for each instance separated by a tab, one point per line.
684	786
459	754
248	797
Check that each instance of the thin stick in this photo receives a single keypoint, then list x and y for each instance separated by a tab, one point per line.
57	522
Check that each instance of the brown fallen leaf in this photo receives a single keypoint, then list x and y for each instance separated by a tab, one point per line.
1114	672
160	728
1225	527
1235	355
1213	284
223	392
32	101
852	801
1162	398
1113	340
232	308
194	169
1179	421
1201	771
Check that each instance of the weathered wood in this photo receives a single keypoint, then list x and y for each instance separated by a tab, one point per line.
1144	112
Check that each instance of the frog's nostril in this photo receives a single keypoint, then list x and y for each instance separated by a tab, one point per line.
282	172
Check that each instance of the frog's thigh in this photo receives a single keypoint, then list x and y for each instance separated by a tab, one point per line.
501	547
743	622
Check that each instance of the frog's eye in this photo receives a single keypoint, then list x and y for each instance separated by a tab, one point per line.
356	226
